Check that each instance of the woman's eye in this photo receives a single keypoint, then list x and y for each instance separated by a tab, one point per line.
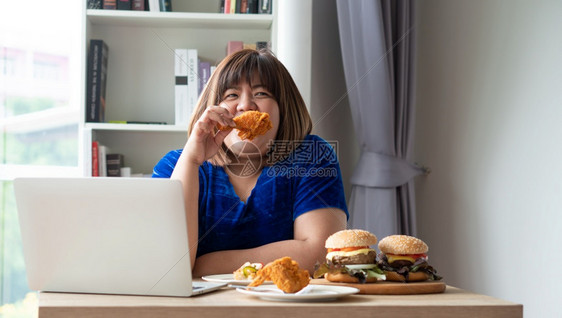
262	94
230	96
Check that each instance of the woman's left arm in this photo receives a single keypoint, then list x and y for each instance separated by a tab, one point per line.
311	229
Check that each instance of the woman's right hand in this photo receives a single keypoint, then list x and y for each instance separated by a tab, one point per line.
203	143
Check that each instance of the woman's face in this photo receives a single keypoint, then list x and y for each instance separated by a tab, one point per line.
245	97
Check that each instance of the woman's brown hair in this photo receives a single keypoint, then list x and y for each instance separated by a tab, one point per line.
294	119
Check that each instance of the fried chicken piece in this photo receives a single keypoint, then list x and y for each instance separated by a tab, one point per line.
250	124
285	274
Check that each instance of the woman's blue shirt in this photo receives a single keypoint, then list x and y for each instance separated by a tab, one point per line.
308	179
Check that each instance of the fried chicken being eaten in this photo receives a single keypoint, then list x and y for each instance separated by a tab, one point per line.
285	274
251	124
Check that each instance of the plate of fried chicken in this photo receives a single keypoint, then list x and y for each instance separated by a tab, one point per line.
309	293
291	283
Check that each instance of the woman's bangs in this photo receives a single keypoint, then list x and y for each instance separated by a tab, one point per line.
266	72
244	68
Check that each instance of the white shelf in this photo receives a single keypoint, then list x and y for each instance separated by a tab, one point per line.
180	19
140	78
135	127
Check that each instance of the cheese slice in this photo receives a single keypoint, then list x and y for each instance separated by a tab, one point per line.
392	258
351	253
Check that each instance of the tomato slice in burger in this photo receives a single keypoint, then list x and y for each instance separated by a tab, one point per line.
407	257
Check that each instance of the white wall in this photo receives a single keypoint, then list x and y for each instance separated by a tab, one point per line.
489	124
329	106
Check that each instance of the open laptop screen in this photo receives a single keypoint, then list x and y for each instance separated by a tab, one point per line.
104	235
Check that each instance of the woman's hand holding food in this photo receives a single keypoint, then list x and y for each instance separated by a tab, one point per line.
204	142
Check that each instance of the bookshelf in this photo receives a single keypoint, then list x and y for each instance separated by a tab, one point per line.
140	72
179	19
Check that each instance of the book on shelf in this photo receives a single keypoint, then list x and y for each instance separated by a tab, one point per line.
264	6
102	160
166	5
95	4
137	5
114	162
137	122
204	75
234	46
243	6
99	160
110	4
239	6
229	6
181	92
252	6
192	80
263	45
96	81
123	4
154	5
95	159
186	69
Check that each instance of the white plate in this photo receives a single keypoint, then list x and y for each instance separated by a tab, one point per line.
312	293
226	278
229	279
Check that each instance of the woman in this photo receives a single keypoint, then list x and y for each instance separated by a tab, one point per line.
280	194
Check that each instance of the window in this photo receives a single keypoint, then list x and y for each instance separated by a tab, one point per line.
40	88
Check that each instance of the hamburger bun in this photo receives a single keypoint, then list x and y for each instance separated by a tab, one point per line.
412	277
402	245
403	253
351	238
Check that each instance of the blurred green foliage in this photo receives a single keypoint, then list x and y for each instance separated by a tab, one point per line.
13	282
56	146
16	105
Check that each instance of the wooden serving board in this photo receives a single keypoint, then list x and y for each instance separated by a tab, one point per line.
391	288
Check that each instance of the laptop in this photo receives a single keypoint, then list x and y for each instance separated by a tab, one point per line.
106	236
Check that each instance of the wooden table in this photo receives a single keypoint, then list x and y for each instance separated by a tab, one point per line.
228	303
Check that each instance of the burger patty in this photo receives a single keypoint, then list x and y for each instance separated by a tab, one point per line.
401	263
355	259
396	264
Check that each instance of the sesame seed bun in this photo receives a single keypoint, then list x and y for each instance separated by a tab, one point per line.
402	244
351	238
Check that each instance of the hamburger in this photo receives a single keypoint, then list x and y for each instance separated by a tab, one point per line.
350	259
404	258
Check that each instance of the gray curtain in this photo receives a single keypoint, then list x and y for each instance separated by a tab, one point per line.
377	41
